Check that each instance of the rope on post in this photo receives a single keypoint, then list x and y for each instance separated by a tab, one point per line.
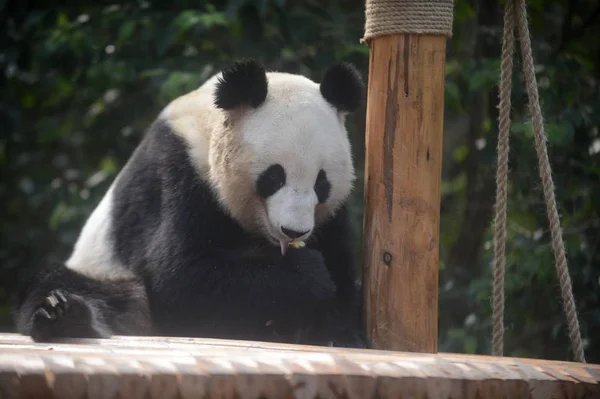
387	17
518	12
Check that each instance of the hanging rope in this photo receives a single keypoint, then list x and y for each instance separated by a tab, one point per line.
387	17
508	46
516	11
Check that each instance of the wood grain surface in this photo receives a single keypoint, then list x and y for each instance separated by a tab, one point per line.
174	368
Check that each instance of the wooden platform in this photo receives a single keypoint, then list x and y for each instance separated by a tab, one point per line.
127	367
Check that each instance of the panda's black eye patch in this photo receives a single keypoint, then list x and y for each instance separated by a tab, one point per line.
270	181
322	186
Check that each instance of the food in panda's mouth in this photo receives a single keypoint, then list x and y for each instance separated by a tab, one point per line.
295	244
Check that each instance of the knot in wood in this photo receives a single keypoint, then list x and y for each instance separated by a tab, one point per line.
387	258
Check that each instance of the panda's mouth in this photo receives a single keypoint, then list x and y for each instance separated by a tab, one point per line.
284	244
282	241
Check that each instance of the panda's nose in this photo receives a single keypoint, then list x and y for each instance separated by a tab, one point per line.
293	234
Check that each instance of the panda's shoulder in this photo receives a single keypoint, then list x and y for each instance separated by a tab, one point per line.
192	118
159	190
160	148
173	150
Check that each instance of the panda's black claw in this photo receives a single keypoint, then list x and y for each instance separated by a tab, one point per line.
59	295
44	313
54	306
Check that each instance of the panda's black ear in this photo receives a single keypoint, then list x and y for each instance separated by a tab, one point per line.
342	86
242	83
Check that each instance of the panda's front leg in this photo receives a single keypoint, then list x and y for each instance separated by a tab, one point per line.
252	295
309	295
58	303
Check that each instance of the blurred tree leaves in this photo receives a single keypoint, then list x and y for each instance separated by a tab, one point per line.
80	83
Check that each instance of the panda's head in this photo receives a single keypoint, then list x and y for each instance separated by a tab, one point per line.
283	162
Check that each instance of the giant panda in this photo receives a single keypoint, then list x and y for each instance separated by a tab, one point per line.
193	236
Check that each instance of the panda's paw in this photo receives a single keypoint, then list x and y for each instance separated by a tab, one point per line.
61	315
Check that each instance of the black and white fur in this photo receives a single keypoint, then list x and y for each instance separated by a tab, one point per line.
191	237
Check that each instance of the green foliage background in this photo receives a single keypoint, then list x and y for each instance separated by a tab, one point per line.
79	85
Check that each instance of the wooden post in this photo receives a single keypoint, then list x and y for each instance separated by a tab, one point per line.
404	132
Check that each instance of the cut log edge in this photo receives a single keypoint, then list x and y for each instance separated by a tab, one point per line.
149	356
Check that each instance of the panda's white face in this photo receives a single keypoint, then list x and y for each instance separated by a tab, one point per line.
301	166
274	145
